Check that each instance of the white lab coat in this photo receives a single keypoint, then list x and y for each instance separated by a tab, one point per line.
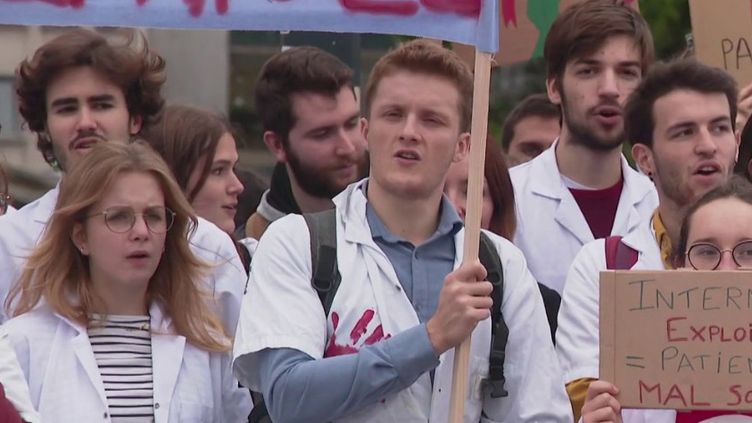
282	310
551	229
14	383
190	384
21	230
577	337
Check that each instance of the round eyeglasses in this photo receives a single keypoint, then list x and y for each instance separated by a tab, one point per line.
706	256
158	219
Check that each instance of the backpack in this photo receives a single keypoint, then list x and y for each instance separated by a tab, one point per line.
325	279
619	256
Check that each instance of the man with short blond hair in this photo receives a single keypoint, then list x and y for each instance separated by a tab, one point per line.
384	350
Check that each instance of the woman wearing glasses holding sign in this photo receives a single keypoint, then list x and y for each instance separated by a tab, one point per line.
716	234
110	322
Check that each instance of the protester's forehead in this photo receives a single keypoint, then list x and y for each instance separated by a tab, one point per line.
81	81
310	108
126	187
403	85
689	106
721	211
536	127
620	47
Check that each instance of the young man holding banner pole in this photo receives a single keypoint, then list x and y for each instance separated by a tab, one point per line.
680	121
384	352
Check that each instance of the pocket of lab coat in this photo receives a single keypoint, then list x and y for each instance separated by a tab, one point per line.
189	412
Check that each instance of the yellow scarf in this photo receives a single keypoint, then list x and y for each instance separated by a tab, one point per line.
664	242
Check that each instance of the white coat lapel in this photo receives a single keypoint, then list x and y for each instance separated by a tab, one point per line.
167	358
358	243
569	216
637	191
85	355
46	206
548	184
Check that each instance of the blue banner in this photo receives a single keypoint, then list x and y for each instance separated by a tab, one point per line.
473	22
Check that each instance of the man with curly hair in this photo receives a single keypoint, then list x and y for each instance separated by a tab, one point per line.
80	89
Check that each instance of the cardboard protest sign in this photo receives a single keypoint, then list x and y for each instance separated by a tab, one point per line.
722	32
471	22
677	339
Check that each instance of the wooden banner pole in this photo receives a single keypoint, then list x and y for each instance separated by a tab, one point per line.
479	132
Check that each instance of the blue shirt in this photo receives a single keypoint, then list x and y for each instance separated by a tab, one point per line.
292	381
421	270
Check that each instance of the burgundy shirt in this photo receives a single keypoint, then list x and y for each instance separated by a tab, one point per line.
599	207
8	413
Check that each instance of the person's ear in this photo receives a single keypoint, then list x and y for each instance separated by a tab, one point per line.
78	236
553	89
462	149
643	157
135	124
364	129
274	143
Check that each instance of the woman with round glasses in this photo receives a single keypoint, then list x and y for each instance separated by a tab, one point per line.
111	323
716	233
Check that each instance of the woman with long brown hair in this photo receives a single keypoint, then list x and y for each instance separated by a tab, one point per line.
199	147
110	316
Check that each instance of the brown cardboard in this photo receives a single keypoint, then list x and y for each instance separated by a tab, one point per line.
722	32
677	339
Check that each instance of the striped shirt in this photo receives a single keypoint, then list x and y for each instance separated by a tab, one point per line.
122	349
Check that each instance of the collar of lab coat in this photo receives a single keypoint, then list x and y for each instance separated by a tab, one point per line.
351	215
548	183
167	353
351	218
643	240
41	211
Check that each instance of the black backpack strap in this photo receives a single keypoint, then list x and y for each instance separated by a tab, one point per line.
489	258
259	414
325	276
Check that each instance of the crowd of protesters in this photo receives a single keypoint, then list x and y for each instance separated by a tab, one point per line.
145	288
